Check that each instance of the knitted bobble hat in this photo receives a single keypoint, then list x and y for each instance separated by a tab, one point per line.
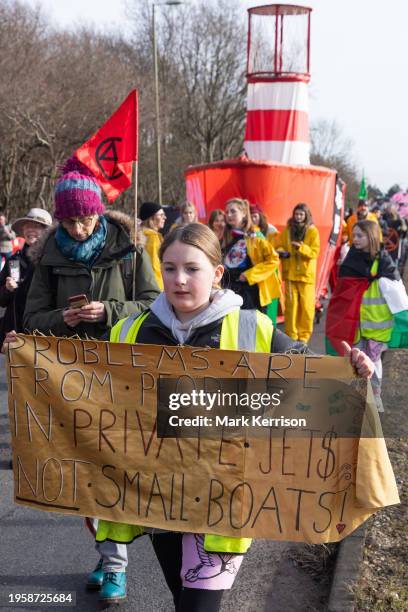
255	208
148	209
77	192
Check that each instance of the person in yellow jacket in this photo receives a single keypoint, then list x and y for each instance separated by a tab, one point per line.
261	223
263	227
299	244
362	214
153	219
250	261
192	311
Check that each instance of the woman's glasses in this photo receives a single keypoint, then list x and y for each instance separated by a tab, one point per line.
82	221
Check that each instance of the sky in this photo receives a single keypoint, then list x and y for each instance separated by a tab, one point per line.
359	67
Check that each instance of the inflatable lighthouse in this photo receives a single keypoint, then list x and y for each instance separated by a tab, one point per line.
275	170
277	127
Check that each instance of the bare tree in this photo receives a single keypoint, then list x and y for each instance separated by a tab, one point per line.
58	87
211	105
202	52
331	148
328	141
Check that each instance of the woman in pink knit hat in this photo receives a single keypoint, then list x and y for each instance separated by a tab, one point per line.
82	285
89	254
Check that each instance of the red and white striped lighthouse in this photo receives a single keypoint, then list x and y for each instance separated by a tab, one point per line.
277	127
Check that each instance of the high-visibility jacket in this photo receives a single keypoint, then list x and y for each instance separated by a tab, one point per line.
241	329
376	319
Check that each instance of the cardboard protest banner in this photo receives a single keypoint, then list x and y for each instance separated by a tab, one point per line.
83	419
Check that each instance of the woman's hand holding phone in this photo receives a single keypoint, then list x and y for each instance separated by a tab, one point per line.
92	313
70	316
80	310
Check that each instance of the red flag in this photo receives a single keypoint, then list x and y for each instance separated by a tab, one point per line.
110	153
343	313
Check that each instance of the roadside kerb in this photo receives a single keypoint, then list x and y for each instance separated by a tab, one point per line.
347	571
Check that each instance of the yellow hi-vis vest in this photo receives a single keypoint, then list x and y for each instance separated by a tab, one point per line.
376	320
241	330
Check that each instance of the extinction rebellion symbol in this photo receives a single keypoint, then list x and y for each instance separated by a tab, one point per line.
106	157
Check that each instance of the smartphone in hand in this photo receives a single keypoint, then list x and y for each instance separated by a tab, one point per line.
77	301
14	267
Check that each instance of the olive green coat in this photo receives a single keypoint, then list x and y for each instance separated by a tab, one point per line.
56	278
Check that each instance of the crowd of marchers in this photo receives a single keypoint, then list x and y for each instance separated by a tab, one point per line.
90	273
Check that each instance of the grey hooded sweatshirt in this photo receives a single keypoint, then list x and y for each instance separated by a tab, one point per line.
222	302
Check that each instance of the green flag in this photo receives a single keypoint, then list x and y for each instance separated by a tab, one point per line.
362	194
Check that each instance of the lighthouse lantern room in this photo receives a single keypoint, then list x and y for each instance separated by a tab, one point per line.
278	73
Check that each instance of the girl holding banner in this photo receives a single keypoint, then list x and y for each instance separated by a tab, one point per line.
192	310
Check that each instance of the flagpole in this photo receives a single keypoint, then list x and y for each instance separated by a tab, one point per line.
135	206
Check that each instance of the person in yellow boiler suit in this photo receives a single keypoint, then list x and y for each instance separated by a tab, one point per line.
299	247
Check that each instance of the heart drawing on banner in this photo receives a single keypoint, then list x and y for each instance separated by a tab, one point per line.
340	527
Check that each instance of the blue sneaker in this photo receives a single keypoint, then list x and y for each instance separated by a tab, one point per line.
113	588
95	579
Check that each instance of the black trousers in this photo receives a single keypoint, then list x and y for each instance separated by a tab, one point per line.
169	552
